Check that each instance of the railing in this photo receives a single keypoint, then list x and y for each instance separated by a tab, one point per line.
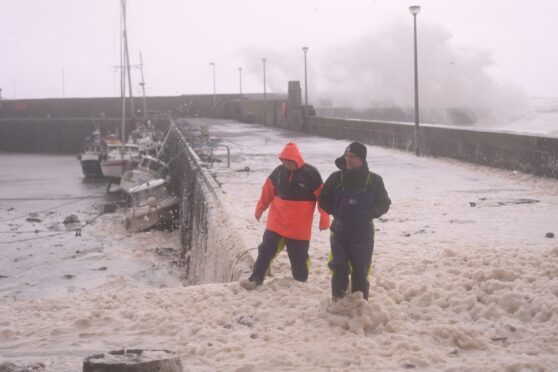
211	159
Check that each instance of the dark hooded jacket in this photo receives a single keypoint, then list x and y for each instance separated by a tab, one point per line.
291	197
354	196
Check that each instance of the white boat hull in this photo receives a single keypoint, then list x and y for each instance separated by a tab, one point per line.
145	217
114	169
149	168
134	178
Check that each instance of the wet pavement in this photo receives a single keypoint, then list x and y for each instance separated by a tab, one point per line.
437	201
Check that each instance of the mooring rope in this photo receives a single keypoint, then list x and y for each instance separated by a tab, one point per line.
238	259
76	231
91	196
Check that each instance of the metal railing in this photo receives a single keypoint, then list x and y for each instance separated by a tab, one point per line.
211	159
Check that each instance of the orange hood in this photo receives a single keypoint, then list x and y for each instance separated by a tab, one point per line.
291	152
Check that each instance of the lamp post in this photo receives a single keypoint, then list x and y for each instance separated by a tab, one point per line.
240	79
264	60
305	112
415	9
212	64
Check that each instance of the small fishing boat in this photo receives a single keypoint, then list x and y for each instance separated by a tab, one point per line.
149	168
90	158
115	162
152	204
145	137
91	161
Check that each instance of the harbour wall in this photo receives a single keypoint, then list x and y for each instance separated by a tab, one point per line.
61	125
534	154
212	250
60	135
521	152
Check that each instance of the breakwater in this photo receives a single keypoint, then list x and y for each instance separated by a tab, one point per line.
58	125
212	250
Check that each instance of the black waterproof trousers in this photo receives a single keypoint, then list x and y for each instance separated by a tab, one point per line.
271	246
351	253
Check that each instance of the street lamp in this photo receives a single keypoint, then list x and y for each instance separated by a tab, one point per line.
212	64
415	9
305	112
240	79
264	60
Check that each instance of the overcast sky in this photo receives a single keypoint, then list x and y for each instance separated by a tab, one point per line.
358	48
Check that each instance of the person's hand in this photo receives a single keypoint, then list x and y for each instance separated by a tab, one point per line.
258	216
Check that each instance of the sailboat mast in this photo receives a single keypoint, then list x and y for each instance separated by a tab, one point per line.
143	90
127	60
122	71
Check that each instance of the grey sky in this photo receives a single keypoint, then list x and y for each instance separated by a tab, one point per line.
353	44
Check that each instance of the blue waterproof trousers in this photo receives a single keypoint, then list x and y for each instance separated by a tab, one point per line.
271	246
351	253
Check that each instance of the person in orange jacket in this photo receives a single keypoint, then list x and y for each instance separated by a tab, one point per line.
291	192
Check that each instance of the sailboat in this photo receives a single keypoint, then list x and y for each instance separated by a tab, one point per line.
152	201
115	162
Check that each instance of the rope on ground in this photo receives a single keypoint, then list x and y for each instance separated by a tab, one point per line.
55	198
48	209
27	232
34	238
91	220
239	258
76	231
41	232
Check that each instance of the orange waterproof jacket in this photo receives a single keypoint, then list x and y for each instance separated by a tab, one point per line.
291	197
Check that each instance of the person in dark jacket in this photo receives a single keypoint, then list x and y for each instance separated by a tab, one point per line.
354	196
291	192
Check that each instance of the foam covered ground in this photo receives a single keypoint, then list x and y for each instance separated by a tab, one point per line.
464	279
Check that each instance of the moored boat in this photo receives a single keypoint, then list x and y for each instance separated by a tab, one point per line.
115	162
152	204
149	168
90	158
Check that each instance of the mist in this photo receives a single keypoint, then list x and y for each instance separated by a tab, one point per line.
376	71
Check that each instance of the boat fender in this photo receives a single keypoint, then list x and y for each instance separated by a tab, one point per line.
152	202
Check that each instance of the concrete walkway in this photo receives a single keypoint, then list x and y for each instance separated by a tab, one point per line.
462	255
435	201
